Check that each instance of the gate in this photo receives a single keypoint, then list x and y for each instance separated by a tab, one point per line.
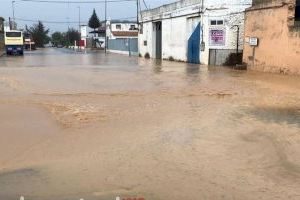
194	46
218	57
129	45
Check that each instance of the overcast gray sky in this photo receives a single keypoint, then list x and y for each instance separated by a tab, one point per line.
69	12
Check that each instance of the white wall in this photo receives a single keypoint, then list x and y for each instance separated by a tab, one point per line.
125	27
175	29
148	37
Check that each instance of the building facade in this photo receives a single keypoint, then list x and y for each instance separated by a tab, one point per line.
274	26
122	29
122	37
195	31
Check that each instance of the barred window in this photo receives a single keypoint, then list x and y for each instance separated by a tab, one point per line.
216	22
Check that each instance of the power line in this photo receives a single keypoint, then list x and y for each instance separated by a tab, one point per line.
46	22
66	22
145	5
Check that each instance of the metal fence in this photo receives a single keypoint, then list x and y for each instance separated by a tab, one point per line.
129	45
220	57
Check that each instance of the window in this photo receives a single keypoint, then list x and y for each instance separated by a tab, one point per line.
220	22
216	22
213	22
13	34
118	26
132	27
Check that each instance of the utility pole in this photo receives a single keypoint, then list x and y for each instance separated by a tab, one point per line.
68	35
10	24
105	46
13	10
137	12
68	32
237	38
79	20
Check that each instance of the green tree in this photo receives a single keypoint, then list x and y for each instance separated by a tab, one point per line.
72	35
58	38
94	21
39	34
66	38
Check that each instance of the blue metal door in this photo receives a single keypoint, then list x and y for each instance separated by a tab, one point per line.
194	46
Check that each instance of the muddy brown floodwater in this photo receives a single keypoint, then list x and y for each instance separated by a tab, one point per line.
75	125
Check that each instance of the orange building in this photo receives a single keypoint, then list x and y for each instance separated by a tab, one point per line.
272	36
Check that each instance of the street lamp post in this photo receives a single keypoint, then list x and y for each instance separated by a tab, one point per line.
237	41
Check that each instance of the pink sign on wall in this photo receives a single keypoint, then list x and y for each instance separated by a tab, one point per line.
217	37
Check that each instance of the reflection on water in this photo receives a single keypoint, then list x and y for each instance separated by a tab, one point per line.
193	70
280	115
65	57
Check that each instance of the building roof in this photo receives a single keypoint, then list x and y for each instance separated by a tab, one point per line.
172	6
125	33
122	22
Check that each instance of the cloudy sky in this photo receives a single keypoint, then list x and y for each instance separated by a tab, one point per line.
59	12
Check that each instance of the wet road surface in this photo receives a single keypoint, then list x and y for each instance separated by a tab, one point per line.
76	125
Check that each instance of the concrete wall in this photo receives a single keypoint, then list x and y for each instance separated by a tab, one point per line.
272	23
176	26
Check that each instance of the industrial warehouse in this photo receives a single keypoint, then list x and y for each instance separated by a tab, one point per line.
194	31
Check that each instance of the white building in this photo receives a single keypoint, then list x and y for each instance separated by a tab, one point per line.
195	31
122	37
122	29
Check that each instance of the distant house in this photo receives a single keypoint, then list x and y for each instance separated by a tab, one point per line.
122	37
272	32
122	29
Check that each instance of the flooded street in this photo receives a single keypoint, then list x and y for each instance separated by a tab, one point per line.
75	125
